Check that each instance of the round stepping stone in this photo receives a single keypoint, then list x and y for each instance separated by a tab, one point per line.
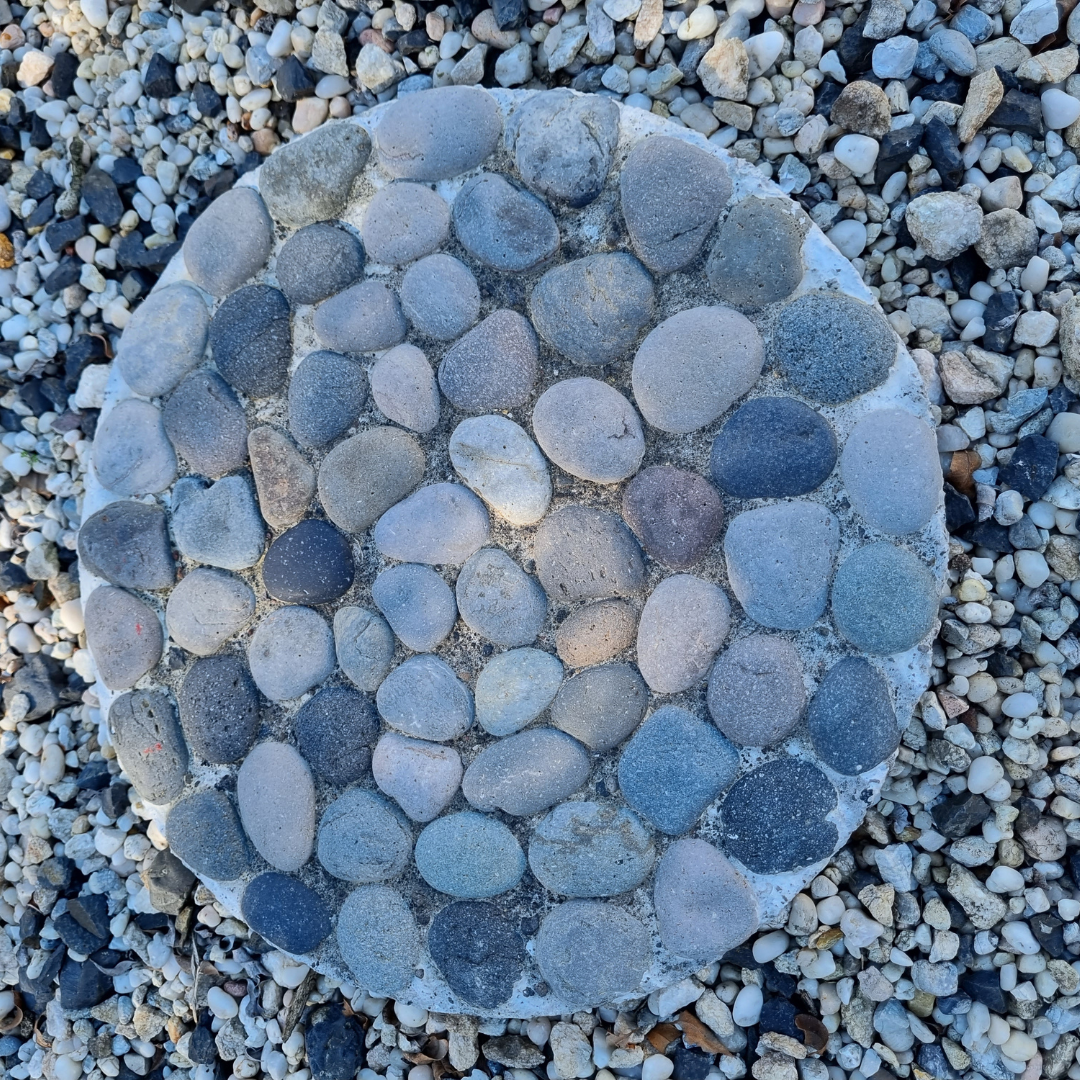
127	544
694	366
366	317
312	563
441	524
677	515
780	560
276	798
497	459
365	646
220	524
884	600
229	241
593	310
891	470
595	633
601	706
424	698
317	262
589	849
674	767
589	429
502	226
326	393
498	600
421	777
404	222
526	773
378	939
286	912
774	819
251	340
132	454
124	634
284	480
206	425
362	839
514	688
417	603
335	731
469	856
756	692
831	347
164	339
207	608
494	366
219	709
773	448
149	744
440	297
291	651
204	832
403	387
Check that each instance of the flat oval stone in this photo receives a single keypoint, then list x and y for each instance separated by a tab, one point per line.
149	744
779	561
589	429
362	477
514	688
677	515
671	195
284	480
497	459
596	632
756	258
498	600
470	856
704	906
591	849
335	731
404	388
404	222
502	226
587	554
435	136
164	339
220	524
318	261
123	633
229	241
365	646
590	952
673	767
440	297
206	608
526	773
594	309
494	366
311	563
439	524
683	623
251	340
601	706
204	832
884	599
775	817
366	317
127	544
694	366
132	454
891	470
286	912
478	951
276	798
756	691
219	709
362	839
291	651
417	603
773	448
831	347
378	939
421	777
326	393
206	425
423	697
852	722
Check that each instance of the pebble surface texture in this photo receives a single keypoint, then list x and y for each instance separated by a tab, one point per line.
481	675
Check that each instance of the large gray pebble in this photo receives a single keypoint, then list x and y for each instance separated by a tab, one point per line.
403	386
276	797
596	632
326	393
404	222
219	708
219	525
335	730
317	262
601	706
291	651
417	603
252	341
514	688
204	832
494	366
164	339
365	646
363	839
470	856
424	698
284	480
439	524
207	608
366	317
149	744
440	297
421	777
499	600
123	634
132	453
377	934
127	544
229	242
502	226
207	425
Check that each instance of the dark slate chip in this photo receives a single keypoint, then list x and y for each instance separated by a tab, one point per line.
94	775
774	818
202	1049
941	145
61	233
932	1060
1032	468
985	986
127	544
84	927
159	80
83	985
335	1044
958	509
691	1064
335	731
509	14
62	76
1018	112
1024	536
102	198
896	147
39	185
951	88
251	340
853	49
209	103
67	272
41	680
1002	311
960	815
219	709
204	831
42	214
319	261
311	563
168	881
779	1015
326	392
286	912
989	534
478	951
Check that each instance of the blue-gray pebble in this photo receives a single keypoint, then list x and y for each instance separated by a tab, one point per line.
502	226
417	603
469	855
127	544
229	241
206	424
317	262
601	705
440	297
366	317
499	600
335	731
204	832
164	339
852	721
493	367
424	698
326	393
285	911
251	340
219	525
311	563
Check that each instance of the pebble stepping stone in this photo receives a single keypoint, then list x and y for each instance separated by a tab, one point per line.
125	635
514	688
286	912
164	339
378	938
596	632
204	831
404	222
502	226
498	600
275	794
364	644
439	524
470	856
206	425
251	340
677	515
326	393
311	563
336	729
417	603
291	651
494	366
218	524
127	544
207	608
365	317
132	454
403	387
424	698
363	840
318	261
284	480
601	706
421	777
440	297
219	709
149	744
229	242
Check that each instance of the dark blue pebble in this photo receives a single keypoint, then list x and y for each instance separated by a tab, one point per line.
985	986
83	985
1032	468
335	731
691	1064
325	395
335	1044
285	912
84	927
317	262
778	1014
311	563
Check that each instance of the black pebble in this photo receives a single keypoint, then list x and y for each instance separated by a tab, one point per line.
777	1014
985	986
1018	112
207	100
951	88
126	170
335	1044
1032	468
61	233
102	198
940	143
896	148
509	14
251	340
311	563
960	815
62	76
285	912
159	80
82	985
335	731
39	185
958	509
168	882
293	80
219	709
692	1064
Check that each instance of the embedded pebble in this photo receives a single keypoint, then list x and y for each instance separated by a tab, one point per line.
318	261
127	544
421	777
284	481
365	317
439	524
677	515
470	856
494	366
595	633
583	553
417	603
404	222
286	912
311	563
276	798
362	839
378	939
335	730
206	425
498	600
364	644
204	831
503	227
219	709
514	688
124	634
440	297
206	608
601	706
229	242
403	387
218	524
251	340
132	454
291	651
326	392
424	698
149	744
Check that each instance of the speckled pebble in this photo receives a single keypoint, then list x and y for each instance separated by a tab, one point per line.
677	515
132	454
403	222
852	722
127	544
335	731
439	524
149	744
229	242
326	393
440	297
378	939
318	261
362	839
494	366
470	856
124	634
403	387
219	709
365	646
366	317
498	600
206	425
291	651
251	340
502	226
601	706
206	608
417	603
286	912
424	698
596	632
218	524
284	480
514	688
204	832
276	798
311	563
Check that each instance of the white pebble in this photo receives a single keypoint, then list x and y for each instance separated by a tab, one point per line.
983	774
1019	706
657	1067
222	1005
1004	879
747	1008
770	946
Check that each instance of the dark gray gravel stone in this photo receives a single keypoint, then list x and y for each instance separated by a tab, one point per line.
363	838
470	856
206	425
440	297
132	454
127	544
317	262
404	222
218	524
164	339
677	515
335	731
219	709
204	831
852	721
284	480
424	698
365	646
404	388
311	563
229	241
326	393
124	635
377	934
251	340
417	603
282	909
498	600
206	608
149	744
502	226
366	317
493	367
441	524
601	706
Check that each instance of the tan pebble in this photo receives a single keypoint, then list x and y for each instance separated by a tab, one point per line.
596	633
